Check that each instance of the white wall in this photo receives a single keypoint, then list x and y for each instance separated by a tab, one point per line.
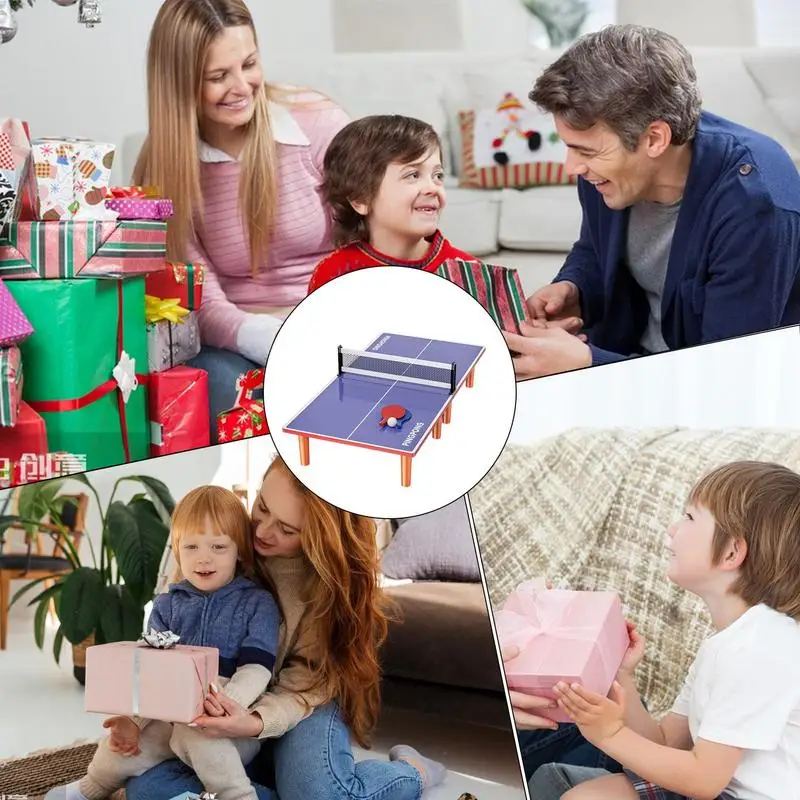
749	382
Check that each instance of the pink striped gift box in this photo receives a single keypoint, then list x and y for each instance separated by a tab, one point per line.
91	249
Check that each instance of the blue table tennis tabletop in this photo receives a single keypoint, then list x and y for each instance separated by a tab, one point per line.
348	409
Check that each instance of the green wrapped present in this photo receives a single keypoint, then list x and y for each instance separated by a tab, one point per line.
82	364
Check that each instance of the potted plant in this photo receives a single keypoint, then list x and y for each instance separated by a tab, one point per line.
102	600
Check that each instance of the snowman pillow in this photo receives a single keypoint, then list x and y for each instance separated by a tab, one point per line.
512	145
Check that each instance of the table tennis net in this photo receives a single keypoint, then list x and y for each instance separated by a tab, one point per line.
399	368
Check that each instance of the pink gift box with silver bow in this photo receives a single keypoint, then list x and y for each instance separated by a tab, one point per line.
14	325
574	637
133	679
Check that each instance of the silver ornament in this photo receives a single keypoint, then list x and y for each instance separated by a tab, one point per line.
8	22
65	2
89	13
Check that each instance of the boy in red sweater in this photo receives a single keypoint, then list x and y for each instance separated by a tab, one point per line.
384	182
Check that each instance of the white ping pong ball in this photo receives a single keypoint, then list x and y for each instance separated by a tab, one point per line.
391	422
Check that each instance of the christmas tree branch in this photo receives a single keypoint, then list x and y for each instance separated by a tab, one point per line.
16	5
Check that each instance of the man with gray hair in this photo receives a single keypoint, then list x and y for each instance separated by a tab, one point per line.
691	222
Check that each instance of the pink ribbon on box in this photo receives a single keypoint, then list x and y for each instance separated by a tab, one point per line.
141	207
532	612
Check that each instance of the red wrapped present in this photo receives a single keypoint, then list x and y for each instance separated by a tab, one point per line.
497	289
26	439
14	325
247	417
181	281
10	385
178	400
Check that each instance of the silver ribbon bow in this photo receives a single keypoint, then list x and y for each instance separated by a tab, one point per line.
161	640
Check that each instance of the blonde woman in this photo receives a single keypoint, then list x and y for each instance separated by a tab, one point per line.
321	563
242	161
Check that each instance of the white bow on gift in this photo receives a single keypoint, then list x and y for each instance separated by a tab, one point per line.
125	375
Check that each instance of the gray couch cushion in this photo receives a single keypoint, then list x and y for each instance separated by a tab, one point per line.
432	547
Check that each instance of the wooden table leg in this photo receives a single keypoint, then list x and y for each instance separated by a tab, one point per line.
437	429
471	378
405	471
305	457
448	413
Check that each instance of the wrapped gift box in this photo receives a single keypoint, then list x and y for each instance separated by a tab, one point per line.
15	327
27	438
497	289
140	207
247	417
181	281
178	400
10	385
8	199
134	679
170	344
15	167
71	178
78	370
82	249
575	637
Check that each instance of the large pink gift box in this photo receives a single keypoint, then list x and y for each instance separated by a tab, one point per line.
134	679
574	637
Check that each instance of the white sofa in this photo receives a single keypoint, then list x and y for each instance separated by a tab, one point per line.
531	229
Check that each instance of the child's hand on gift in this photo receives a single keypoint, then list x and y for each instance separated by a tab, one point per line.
598	718
635	652
123	737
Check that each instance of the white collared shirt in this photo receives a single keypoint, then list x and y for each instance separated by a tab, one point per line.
285	130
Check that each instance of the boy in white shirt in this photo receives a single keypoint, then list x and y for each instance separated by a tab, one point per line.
734	730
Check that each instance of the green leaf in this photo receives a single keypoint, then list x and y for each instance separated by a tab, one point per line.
47	593
57	643
39	622
81	603
122	617
159	494
26	588
137	536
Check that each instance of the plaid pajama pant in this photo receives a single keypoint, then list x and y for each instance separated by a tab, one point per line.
551	781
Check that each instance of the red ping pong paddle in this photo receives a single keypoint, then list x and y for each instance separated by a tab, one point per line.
398	412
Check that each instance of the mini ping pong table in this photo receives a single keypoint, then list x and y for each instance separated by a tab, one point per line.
418	376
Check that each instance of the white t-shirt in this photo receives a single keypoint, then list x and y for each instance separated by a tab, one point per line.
743	690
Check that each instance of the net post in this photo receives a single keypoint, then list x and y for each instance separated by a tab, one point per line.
339	356
453	378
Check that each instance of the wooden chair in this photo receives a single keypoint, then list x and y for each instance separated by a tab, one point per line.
34	563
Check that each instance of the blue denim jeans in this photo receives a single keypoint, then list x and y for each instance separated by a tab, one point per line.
564	746
313	761
223	368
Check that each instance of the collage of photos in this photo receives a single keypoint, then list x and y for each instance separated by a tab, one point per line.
397	416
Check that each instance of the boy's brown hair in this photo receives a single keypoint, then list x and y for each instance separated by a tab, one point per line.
356	161
759	503
224	511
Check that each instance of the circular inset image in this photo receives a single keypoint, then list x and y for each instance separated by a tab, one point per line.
389	392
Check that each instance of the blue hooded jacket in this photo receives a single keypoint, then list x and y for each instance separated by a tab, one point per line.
241	620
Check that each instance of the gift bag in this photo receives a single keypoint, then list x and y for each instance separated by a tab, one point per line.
497	289
173	334
247	417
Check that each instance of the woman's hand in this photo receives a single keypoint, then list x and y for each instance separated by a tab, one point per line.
526	705
237	722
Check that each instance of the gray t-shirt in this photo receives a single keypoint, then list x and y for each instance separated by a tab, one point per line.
650	230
